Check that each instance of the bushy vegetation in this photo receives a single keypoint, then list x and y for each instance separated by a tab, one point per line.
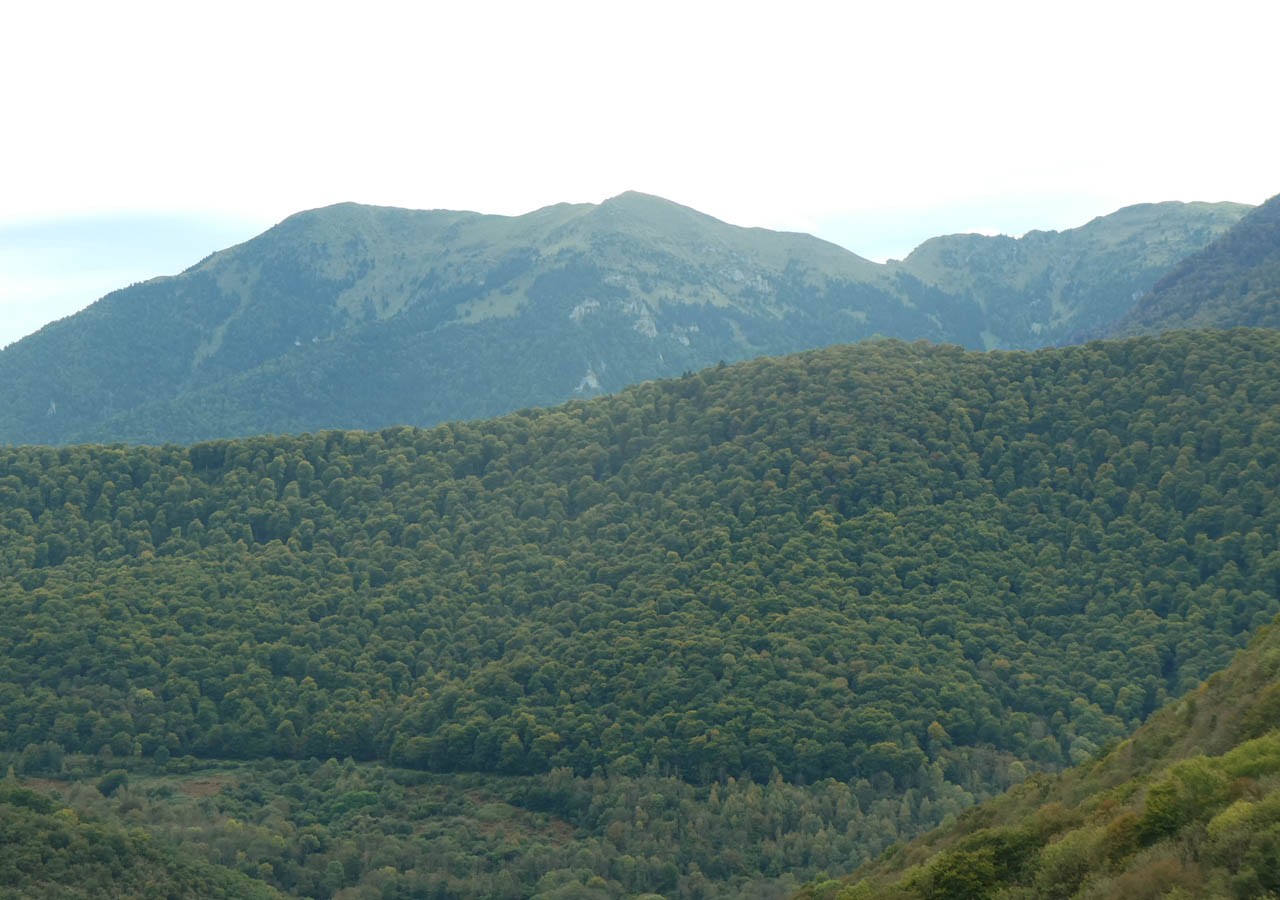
48	851
355	830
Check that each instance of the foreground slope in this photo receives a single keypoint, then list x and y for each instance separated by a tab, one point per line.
364	317
1233	282
1189	806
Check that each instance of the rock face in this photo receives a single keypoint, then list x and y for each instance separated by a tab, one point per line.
361	317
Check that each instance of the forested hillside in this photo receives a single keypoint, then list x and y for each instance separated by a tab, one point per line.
900	575
366	317
1188	807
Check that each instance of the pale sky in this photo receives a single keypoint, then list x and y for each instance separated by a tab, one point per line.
140	136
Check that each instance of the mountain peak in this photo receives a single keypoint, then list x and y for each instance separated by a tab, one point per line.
654	210
632	198
304	326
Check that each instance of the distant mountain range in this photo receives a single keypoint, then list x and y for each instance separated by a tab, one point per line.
1047	287
1235	281
361	317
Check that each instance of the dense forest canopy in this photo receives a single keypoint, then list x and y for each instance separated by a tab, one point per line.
906	568
834	564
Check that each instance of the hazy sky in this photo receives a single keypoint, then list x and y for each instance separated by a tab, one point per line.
138	137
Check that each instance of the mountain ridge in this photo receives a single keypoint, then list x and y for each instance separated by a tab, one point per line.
364	317
1233	282
1045	286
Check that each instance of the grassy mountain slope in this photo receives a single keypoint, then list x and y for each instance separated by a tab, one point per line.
1047	286
1189	806
904	573
363	317
1233	282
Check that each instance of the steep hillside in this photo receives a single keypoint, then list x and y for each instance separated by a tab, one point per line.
363	317
1189	806
892	576
1046	287
1233	282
